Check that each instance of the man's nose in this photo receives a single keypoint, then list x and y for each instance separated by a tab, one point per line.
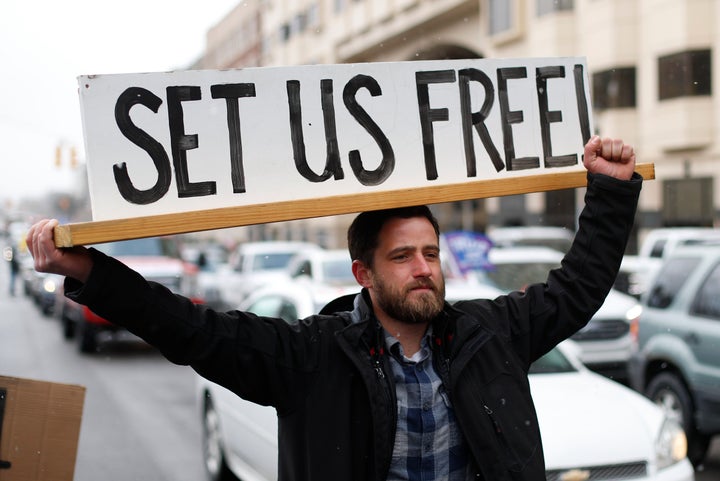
421	267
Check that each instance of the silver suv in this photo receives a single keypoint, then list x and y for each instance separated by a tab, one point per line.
678	360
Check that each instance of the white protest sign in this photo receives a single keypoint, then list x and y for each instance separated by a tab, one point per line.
161	143
179	152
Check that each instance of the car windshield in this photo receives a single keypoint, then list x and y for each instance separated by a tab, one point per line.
150	246
277	260
552	362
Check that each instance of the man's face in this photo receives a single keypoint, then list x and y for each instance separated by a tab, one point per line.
406	281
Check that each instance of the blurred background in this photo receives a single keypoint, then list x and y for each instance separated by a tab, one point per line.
651	78
650	68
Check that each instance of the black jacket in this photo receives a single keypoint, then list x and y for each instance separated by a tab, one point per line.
330	384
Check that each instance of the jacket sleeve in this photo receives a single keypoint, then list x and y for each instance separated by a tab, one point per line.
260	359
545	314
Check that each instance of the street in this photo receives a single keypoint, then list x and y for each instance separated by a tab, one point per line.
140	420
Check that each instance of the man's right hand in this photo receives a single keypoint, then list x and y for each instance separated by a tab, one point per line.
74	262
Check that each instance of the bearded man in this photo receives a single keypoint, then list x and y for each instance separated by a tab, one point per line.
399	385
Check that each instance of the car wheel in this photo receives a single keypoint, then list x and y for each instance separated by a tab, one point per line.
87	337
215	465
68	326
668	391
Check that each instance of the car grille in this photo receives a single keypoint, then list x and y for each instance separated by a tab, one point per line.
598	473
602	330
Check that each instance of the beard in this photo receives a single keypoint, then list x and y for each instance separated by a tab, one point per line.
418	308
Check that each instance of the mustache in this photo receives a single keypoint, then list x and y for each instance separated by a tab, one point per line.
422	284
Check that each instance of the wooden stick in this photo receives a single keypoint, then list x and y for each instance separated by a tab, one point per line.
85	233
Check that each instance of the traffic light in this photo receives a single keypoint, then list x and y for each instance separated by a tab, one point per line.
58	156
73	157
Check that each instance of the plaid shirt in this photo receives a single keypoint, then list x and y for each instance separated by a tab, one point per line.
428	443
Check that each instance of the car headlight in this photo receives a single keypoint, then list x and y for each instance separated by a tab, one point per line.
49	286
671	444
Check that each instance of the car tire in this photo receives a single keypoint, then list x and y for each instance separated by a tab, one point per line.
68	326
668	391
87	338
213	455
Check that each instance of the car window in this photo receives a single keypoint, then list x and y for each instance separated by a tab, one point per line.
552	362
338	271
150	246
707	302
669	280
658	248
304	269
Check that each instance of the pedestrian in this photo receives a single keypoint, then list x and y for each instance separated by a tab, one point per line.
402	386
11	255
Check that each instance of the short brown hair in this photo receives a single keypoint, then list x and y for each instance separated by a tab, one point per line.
365	229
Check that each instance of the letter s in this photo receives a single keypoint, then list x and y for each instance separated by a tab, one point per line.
126	100
386	167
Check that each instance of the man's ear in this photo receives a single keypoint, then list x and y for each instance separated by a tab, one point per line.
362	273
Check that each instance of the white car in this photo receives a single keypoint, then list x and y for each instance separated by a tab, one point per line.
332	267
254	264
592	428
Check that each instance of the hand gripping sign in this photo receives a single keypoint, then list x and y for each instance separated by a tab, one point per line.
186	151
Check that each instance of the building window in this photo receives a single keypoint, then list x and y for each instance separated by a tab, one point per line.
299	23
500	16
513	210
560	208
285	30
550	6
313	16
614	88
688	202
684	74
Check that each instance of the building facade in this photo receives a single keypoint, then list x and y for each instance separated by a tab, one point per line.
650	69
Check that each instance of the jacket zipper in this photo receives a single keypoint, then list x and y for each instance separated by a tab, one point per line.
489	412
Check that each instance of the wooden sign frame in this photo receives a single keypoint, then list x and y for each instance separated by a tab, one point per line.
184	222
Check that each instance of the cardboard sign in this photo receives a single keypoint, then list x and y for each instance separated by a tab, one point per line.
235	147
39	429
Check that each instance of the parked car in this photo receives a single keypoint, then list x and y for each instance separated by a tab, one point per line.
659	243
606	342
213	267
638	271
44	291
677	364
156	259
254	264
592	428
290	300
331	267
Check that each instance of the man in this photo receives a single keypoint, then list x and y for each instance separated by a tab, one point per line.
403	386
